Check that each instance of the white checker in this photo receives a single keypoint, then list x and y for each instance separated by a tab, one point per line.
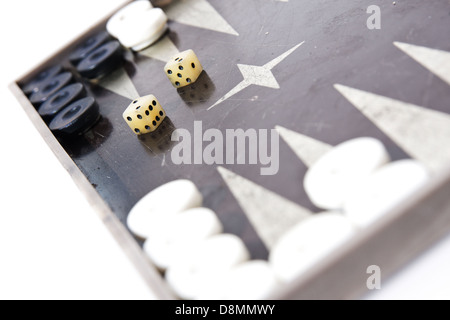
309	242
126	14
144	30
342	169
254	280
385	189
158	206
205	264
179	234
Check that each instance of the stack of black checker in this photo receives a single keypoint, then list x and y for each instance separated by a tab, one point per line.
60	99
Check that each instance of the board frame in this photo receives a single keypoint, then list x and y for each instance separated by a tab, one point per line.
390	243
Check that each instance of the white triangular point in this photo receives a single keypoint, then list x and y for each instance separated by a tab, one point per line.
270	214
120	83
422	133
272	64
198	13
309	150
437	61
163	50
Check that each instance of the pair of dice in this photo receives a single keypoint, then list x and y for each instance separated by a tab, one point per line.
137	26
144	115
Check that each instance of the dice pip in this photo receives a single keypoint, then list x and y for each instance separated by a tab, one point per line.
144	115
183	69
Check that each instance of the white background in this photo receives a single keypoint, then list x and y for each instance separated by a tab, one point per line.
52	245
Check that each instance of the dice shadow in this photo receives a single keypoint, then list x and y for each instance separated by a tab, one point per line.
160	140
89	141
199	92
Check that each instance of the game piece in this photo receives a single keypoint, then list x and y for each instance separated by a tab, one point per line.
204	264
180	233
341	170
88	46
144	115
144	30
307	243
76	118
41	78
102	61
116	23
50	87
385	189
253	280
60	100
183	69
155	208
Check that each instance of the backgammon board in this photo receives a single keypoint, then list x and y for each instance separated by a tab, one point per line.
316	74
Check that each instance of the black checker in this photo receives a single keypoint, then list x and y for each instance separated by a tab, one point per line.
92	43
76	118
50	87
102	60
40	79
61	99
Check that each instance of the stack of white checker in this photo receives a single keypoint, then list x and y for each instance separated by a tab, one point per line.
358	185
186	241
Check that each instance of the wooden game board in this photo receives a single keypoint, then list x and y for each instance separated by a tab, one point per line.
325	78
